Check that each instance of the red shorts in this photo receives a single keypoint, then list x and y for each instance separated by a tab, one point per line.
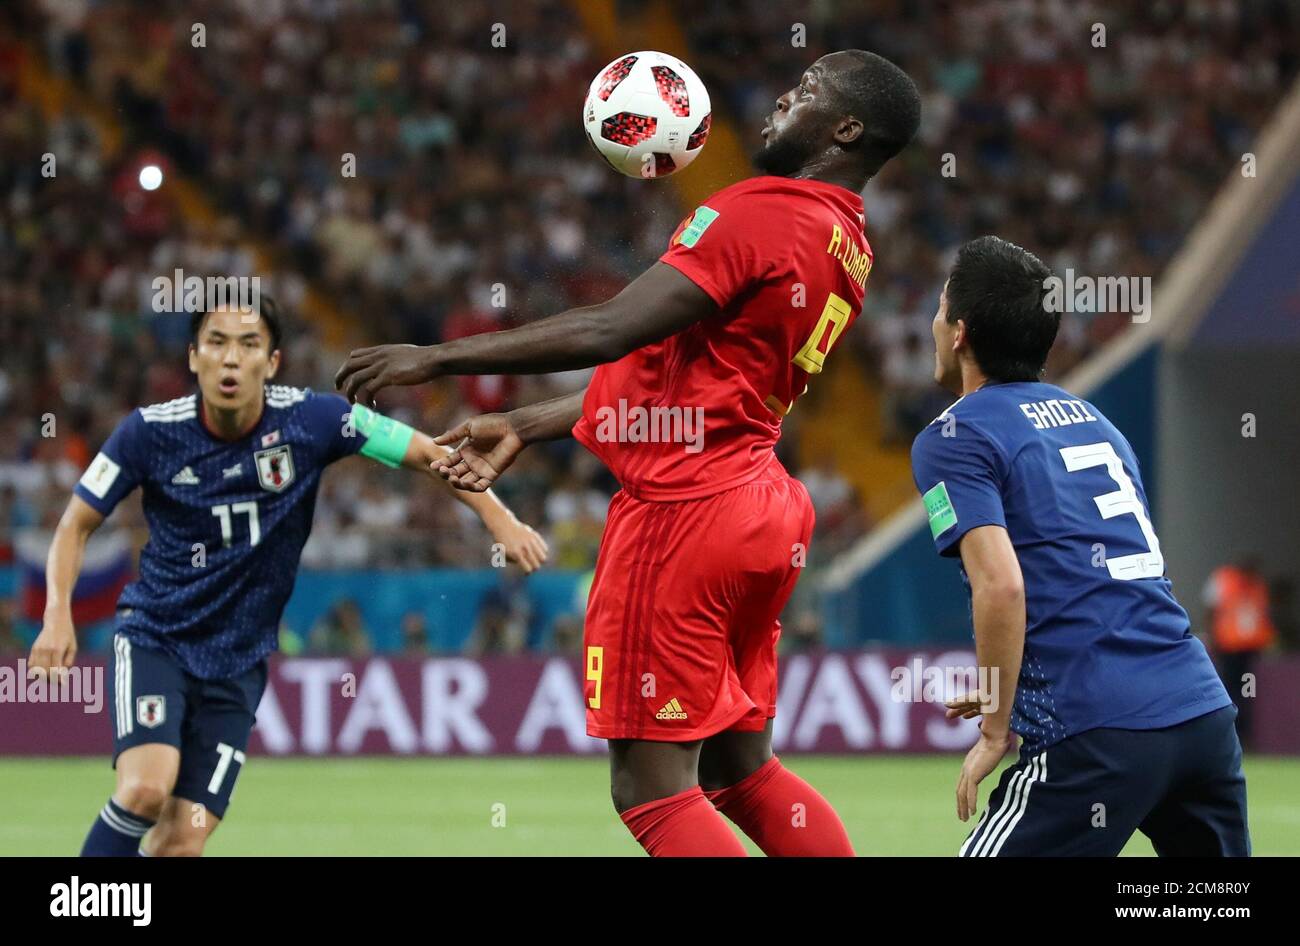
681	630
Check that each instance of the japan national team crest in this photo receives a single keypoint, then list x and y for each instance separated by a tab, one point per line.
274	468
151	711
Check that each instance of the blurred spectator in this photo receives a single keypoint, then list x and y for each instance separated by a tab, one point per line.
341	632
1285	619
841	517
503	614
566	636
415	635
1239	616
828	489
908	373
802	633
840	531
9	642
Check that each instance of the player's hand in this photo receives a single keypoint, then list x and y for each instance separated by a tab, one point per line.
483	448
55	648
369	370
522	545
982	759
967	707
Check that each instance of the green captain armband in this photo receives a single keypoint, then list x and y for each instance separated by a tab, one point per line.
386	439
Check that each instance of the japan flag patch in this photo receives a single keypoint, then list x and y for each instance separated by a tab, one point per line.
274	468
151	711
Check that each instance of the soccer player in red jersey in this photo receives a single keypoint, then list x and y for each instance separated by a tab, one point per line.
700	359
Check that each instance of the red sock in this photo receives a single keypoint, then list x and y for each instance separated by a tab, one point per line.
682	825
783	814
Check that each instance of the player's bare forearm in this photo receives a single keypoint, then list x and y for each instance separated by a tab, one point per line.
56	645
63	565
998	611
547	420
484	447
999	616
423	453
521	542
658	303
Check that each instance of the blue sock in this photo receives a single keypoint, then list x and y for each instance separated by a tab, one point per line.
115	833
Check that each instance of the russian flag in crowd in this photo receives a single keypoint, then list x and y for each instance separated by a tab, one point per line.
106	569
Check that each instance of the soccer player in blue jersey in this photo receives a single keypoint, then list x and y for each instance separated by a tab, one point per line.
229	478
1123	721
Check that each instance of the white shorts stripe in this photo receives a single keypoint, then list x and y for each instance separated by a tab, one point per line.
117	683
1023	777
975	833
128	698
122	678
1040	775
1002	813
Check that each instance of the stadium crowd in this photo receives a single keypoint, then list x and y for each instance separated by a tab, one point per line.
476	203
1092	133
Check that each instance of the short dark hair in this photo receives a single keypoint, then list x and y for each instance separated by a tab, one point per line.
266	308
885	99
998	290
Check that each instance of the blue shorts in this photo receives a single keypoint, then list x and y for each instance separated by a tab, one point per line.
155	700
1181	786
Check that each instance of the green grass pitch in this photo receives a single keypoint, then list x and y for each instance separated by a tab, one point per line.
893	805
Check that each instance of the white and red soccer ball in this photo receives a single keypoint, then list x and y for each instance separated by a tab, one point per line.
647	114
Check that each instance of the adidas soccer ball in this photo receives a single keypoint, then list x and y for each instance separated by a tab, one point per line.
647	114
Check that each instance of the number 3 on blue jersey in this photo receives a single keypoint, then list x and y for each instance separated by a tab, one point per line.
1149	564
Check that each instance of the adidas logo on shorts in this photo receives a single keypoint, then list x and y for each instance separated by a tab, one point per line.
672	710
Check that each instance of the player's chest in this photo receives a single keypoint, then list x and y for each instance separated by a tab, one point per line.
264	466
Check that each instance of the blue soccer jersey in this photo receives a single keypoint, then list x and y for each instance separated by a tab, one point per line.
1106	643
227	521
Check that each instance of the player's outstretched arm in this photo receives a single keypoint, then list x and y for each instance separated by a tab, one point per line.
521	541
485	446
658	303
395	444
56	646
998	611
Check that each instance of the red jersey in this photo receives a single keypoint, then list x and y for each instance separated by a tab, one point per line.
786	261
